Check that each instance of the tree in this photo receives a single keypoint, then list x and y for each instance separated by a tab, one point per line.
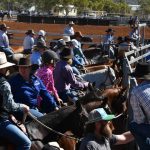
145	7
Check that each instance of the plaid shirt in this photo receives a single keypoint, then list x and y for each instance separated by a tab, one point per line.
140	103
8	103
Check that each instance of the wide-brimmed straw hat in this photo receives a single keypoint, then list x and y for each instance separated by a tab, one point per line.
2	26
142	71
3	61
30	32
24	62
55	145
99	114
66	53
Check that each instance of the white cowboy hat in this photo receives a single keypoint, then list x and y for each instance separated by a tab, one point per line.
66	38
42	33
3	61
55	144
71	22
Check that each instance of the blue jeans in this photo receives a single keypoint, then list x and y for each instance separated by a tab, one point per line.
68	93
75	70
141	133
7	51
14	135
35	112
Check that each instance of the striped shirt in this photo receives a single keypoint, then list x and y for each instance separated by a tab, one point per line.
140	103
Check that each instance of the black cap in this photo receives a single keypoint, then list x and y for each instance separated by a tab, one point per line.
49	55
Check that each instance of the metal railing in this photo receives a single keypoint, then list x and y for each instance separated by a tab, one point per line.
141	54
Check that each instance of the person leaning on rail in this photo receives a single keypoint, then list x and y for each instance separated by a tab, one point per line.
8	131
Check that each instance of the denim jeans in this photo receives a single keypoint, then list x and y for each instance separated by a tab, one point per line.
7	51
14	135
68	93
75	70
35	112
141	133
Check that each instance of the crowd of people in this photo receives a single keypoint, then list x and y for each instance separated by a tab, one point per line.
47	79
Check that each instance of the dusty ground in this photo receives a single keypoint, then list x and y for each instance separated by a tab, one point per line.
58	28
85	29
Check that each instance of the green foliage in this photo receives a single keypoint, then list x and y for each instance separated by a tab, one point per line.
45	5
145	6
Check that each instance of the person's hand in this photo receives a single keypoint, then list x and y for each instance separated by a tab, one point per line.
60	102
56	108
23	128
86	84
25	108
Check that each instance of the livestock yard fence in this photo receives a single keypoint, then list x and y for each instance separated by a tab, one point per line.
141	54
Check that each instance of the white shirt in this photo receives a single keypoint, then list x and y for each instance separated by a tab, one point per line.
4	41
135	34
28	42
69	30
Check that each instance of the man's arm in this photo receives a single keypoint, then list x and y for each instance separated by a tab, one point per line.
124	138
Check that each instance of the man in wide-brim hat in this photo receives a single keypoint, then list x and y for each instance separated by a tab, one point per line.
38	50
64	77
29	41
69	30
108	40
8	129
4	40
26	89
140	104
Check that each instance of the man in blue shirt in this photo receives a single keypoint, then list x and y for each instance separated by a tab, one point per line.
107	40
29	89
69	31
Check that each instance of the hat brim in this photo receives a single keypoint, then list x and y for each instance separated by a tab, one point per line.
30	33
145	77
110	31
7	27
68	57
7	64
40	47
24	65
107	118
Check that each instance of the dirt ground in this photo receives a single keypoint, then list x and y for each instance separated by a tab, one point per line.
85	29
58	28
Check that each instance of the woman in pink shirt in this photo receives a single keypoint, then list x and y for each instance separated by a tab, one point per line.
45	73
